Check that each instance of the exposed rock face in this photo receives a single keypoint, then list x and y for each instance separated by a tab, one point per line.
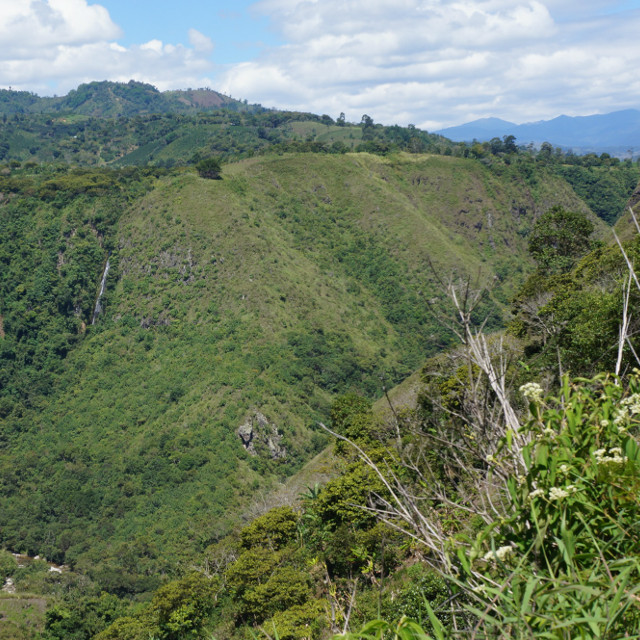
259	436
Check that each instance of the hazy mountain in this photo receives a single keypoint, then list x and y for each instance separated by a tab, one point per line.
616	132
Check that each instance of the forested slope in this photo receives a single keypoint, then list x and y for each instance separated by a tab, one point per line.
290	280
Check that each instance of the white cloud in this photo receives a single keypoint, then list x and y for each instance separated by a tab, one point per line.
430	62
34	24
53	45
152	45
200	42
442	62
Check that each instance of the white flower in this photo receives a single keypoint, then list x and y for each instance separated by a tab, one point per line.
621	416
556	493
564	468
612	457
604	423
535	493
633	403
502	553
532	391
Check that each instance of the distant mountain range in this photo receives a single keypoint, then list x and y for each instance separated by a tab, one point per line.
617	133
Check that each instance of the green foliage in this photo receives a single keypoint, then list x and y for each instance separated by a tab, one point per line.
125	628
604	188
559	238
294	279
604	183
180	609
8	565
251	568
223	297
582	472
452	389
422	585
300	622
574	318
340	501
284	588
48	284
352	418
83	618
568	548
209	168
273	530
263	582
134	124
106	99
22	616
402	629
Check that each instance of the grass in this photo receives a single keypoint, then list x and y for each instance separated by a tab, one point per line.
21	616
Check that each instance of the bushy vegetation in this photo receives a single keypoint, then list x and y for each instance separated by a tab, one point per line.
564	559
549	546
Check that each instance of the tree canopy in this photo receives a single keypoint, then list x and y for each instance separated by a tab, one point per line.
559	238
209	168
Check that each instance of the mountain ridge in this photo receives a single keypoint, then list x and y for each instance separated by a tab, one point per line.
116	99
614	132
237	314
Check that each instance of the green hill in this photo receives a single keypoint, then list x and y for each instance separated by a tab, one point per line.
148	409
293	279
172	137
117	99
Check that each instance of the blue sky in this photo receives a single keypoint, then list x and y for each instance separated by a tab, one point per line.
238	33
432	63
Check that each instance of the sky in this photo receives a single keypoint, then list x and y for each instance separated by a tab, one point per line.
431	63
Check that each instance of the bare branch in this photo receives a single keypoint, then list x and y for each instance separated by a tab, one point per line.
630	266
624	325
635	220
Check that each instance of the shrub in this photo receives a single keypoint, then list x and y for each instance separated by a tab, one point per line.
8	565
300	622
272	530
209	168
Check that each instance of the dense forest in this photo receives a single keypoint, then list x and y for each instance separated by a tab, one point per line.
273	374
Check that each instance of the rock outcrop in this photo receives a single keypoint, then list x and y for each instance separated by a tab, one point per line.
260	437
